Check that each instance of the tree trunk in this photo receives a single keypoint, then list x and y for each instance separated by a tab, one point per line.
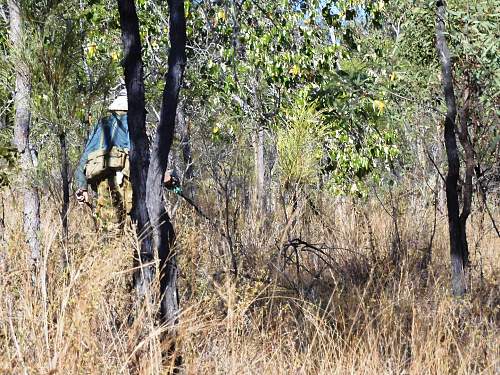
86	68
139	145
65	185
397	250
260	193
21	138
455	230
3	242
146	176
187	155
465	141
163	232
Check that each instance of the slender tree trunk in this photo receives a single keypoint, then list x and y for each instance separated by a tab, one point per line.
86	68
65	184
397	250
465	141
482	191
21	138
3	242
139	145
455	230
187	155
260	193
163	231
423	264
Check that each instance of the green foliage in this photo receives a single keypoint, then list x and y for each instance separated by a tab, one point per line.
8	160
250	62
339	86
225	129
417	42
474	44
357	111
71	50
299	142
473	41
5	76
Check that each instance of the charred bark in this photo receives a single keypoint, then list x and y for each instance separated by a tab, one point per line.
147	175
22	120
65	185
465	141
3	242
163	231
139	145
457	251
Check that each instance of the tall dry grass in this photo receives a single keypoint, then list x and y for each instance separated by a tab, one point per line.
346	309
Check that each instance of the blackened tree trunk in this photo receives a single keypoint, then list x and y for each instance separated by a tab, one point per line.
147	177
21	138
65	185
457	251
465	141
139	145
3	242
163	232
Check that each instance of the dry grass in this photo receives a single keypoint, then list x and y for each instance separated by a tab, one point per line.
359	315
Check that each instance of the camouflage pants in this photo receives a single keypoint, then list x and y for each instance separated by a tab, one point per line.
114	203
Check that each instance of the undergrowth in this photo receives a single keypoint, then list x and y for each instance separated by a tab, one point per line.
318	292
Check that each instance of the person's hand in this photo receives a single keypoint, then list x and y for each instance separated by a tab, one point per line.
82	196
170	180
167	177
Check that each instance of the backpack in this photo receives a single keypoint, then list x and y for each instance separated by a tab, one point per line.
110	155
102	163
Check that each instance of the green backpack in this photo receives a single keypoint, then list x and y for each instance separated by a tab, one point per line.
102	163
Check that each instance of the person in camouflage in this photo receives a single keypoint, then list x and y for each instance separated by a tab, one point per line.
104	165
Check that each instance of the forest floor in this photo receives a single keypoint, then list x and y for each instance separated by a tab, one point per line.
346	307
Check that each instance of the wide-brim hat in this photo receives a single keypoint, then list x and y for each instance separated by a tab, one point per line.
120	103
